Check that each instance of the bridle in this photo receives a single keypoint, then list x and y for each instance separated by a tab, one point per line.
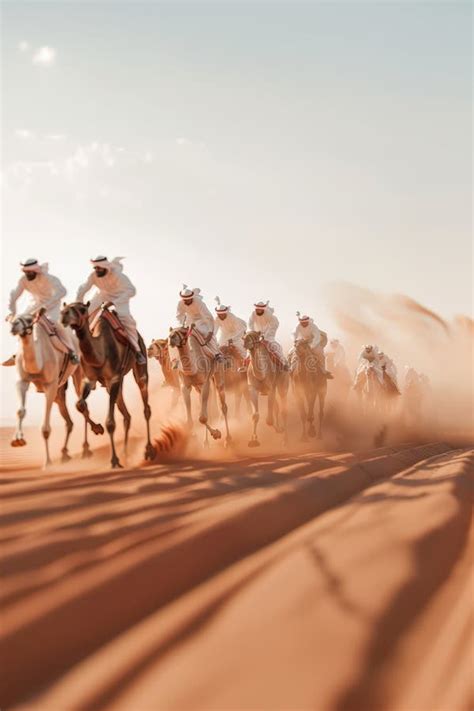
252	340
183	333
26	323
81	318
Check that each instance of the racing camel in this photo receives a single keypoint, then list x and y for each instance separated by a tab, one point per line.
309	383
198	369
266	377
107	356
39	362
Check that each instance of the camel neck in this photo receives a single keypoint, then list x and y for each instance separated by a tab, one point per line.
187	359
166	367
31	354
90	346
259	358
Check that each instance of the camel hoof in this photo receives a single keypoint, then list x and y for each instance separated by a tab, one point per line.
115	463
150	452
216	434
87	452
269	423
206	444
97	429
254	443
18	442
228	442
65	457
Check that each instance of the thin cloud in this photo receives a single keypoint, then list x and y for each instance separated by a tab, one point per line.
23	133
45	56
23	46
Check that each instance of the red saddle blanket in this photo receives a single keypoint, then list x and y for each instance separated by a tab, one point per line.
113	320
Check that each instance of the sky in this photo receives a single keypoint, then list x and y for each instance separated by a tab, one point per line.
258	150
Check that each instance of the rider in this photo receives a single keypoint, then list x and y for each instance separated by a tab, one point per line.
193	311
337	353
46	291
389	370
116	288
308	331
263	320
231	328
368	357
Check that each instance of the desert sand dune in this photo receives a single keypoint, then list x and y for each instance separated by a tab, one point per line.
311	581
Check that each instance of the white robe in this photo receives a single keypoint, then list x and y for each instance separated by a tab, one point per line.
338	355
309	333
117	288
390	367
46	291
367	359
232	329
267	324
198	314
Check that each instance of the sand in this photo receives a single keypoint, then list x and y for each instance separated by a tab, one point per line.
311	580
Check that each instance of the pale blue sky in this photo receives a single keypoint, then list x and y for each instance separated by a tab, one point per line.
257	150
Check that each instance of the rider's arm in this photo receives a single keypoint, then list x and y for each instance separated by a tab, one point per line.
127	287
271	327
84	288
15	295
58	292
180	313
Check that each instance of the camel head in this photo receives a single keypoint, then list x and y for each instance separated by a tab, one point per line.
178	336
75	315
22	325
252	339
158	348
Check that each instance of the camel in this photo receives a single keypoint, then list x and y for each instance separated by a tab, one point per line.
266	378
106	360
159	349
39	362
198	370
309	383
370	390
235	376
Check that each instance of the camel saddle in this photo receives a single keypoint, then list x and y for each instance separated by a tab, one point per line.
113	320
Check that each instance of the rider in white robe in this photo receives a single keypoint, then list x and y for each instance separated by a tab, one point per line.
113	286
308	331
337	353
368	357
389	369
193	310
46	291
230	328
263	320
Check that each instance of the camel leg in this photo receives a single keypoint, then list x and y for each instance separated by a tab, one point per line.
302	412
77	381
61	401
203	417
283	394
126	418
322	400
311	397
255	417
21	389
81	406
114	391
142	382
50	392
221	393
186	391
271	407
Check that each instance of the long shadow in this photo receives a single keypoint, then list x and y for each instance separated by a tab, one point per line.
435	556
